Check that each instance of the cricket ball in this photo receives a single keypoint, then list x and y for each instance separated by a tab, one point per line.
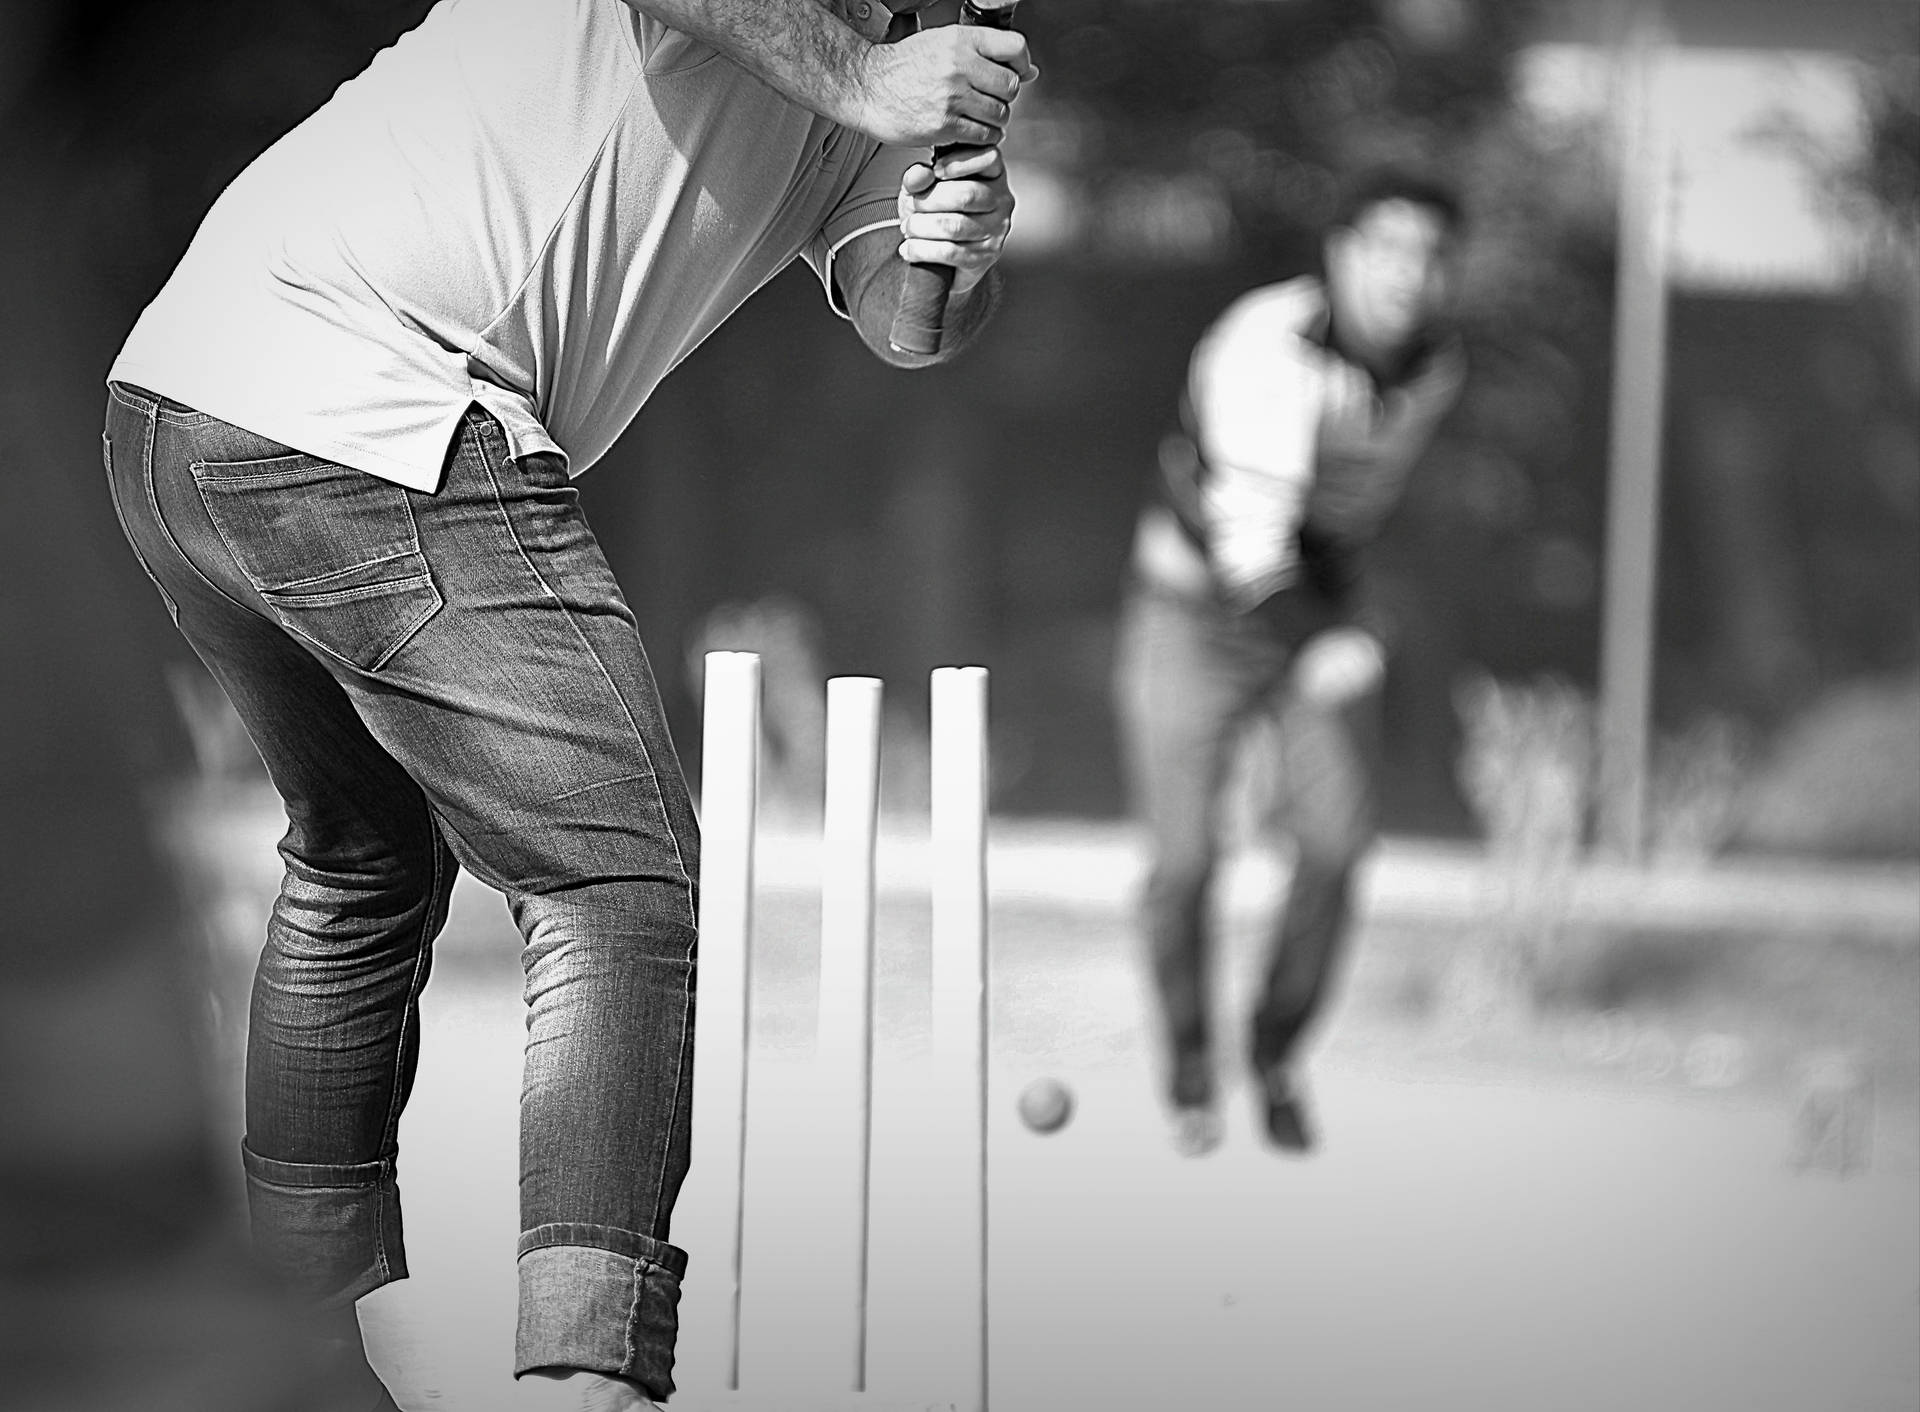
1045	1105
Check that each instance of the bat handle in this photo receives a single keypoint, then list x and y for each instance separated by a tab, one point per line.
920	316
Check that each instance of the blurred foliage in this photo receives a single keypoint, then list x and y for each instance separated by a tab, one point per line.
1254	110
1891	171
1842	777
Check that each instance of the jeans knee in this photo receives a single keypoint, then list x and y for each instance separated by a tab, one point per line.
367	890
648	920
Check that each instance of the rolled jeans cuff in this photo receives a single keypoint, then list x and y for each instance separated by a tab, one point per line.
330	1233
602	1300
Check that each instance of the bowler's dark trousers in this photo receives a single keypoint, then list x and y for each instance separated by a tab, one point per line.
1190	676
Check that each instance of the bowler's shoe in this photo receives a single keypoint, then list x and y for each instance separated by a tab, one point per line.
1197	1128
1284	1111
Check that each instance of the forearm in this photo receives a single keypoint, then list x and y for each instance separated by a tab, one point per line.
797	47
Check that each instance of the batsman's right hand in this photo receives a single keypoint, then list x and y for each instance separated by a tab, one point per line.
951	85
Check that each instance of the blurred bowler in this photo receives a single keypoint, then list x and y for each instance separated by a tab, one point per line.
1307	404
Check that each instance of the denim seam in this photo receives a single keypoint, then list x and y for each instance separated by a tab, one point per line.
153	413
341	1176
637	1284
686	1011
380	1260
639	737
142	405
113	495
410	1016
586	1235
151	406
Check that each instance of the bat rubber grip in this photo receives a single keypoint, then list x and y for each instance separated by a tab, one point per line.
921	313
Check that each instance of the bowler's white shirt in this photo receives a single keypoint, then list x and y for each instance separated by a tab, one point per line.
1281	421
538	205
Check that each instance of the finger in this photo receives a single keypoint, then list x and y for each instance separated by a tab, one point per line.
949	226
917	179
969	162
963	131
1005	47
973	197
995	81
992	79
969	255
985	109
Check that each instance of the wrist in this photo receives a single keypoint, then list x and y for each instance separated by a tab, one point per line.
853	72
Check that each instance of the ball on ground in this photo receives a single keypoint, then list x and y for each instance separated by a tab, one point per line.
1045	1105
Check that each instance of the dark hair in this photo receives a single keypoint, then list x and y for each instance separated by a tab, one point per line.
1379	185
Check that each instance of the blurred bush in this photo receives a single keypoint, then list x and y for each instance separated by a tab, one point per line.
1843	777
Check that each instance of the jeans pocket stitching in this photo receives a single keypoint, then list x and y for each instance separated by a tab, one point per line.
212	488
290	466
435	601
288	598
297	588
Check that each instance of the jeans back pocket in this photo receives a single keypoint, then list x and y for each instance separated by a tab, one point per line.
333	551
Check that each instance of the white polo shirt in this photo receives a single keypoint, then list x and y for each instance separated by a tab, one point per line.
538	205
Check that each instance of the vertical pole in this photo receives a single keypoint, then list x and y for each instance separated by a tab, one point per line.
1638	420
729	797
845	1045
959	963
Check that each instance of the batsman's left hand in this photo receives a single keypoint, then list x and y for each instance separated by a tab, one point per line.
956	211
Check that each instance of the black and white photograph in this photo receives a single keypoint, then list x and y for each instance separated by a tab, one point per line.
960	706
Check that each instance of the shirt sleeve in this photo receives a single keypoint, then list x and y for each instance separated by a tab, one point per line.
1255	387
871	203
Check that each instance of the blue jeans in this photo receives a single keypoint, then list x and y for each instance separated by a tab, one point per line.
1190	675
432	678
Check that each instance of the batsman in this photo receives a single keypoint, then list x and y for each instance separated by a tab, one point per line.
342	441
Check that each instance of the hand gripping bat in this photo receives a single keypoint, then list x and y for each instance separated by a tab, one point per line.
918	318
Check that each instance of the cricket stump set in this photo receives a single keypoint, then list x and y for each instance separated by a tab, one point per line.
841	1083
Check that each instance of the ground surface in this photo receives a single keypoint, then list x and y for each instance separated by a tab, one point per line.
1594	1209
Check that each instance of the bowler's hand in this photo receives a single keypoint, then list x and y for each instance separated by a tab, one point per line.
950	84
1338	666
956	212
